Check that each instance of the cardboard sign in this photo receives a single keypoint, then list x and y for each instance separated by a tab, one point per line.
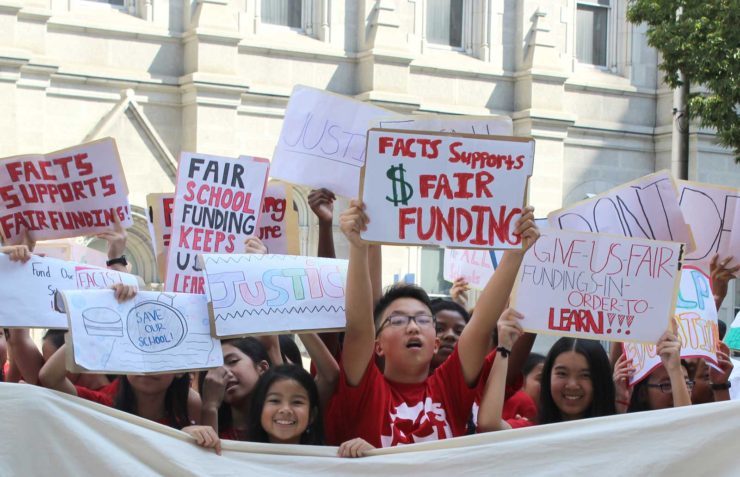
598	286
278	228
217	204
151	333
732	337
256	294
160	207
475	266
713	212
696	317
28	297
72	192
322	142
485	125
647	207
455	190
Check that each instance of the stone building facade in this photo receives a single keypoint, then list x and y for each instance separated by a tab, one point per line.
214	76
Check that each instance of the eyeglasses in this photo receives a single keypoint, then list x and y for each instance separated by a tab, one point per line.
399	320
666	387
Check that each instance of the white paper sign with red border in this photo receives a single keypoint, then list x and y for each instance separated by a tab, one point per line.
279	220
713	213
696	317
462	191
597	286
28	302
646	207
217	206
68	193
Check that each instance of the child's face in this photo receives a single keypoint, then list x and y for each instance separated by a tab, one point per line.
657	399
532	382
702	392
412	344
570	384
242	374
287	412
151	383
449	326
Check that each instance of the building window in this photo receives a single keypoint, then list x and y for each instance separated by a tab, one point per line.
282	12
432	268
592	20
444	22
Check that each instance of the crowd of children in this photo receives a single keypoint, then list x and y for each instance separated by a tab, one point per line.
406	369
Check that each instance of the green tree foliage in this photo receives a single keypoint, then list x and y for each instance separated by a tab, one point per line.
704	43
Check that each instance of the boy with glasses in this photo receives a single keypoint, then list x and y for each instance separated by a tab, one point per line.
404	404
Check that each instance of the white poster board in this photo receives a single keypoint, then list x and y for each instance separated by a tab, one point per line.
598	286
475	266
482	125
322	142
696	317
217	204
258	294
68	193
423	188
151	333
28	297
278	228
713	213
646	207
160	207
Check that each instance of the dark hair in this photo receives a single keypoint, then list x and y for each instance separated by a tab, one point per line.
602	403
55	337
314	433
532	361
639	400
722	329
393	293
440	304
257	353
289	350
175	400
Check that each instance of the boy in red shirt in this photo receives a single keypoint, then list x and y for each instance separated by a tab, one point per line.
405	404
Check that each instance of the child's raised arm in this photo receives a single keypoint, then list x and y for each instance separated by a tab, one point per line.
668	348
321	202
24	355
359	337
327	369
475	338
116	238
54	373
492	403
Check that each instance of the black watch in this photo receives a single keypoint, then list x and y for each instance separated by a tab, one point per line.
721	386
114	261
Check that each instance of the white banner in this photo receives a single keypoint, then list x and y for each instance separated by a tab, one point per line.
475	266
117	443
28	296
151	333
253	294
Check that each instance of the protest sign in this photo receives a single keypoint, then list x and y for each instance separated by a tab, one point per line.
28	297
435	188
732	338
217	204
278	228
646	207
713	213
69	250
598	286
322	142
475	266
160	208
696	320
151	333
256	294
485	125
72	192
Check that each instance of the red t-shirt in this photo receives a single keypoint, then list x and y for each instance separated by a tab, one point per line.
516	401
104	395
231	434
387	414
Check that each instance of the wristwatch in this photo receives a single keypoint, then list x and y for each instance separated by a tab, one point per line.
721	386
114	261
